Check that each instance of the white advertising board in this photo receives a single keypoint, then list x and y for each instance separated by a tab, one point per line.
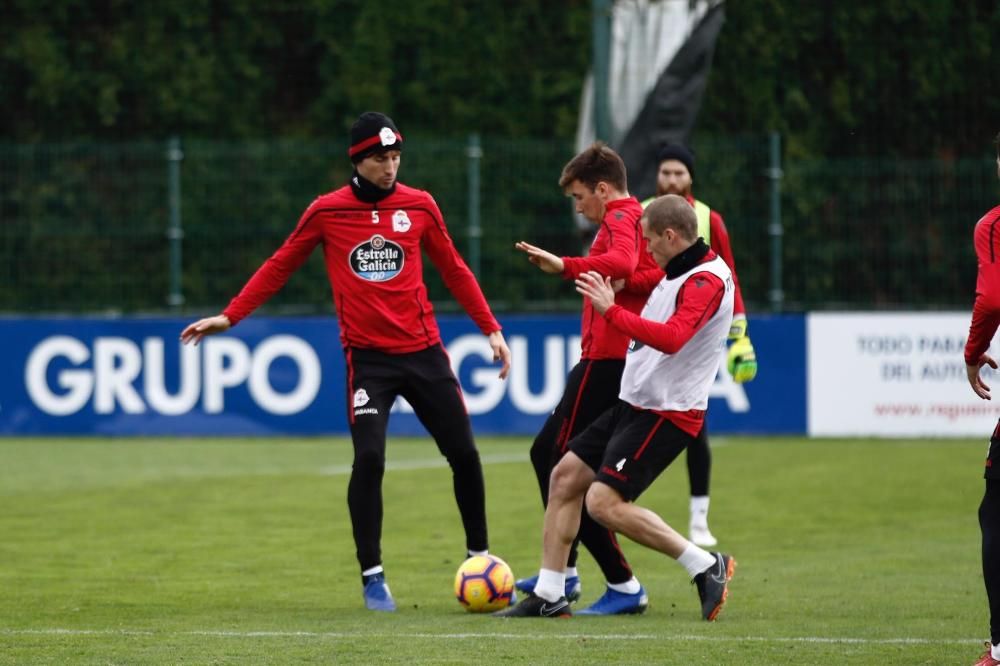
894	375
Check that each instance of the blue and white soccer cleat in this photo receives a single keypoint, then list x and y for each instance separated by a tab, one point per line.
613	602
377	595
573	586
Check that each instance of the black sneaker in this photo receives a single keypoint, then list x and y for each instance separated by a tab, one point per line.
533	606
712	585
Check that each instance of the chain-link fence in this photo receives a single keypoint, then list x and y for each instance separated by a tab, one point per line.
145	227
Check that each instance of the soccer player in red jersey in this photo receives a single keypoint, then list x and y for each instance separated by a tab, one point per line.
985	320
671	365
596	180
372	232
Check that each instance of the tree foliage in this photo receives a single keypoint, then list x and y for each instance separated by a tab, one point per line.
836	78
115	69
853	78
885	111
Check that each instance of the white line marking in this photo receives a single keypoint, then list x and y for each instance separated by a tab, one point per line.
489	635
431	463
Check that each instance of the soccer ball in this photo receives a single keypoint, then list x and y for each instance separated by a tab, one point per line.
484	583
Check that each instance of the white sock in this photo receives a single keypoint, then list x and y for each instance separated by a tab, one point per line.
631	586
695	560
571	571
374	570
473	553
551	584
699	510
995	651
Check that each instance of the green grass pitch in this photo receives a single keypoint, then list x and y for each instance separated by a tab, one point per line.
235	551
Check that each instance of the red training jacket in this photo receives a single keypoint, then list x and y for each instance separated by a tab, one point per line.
986	310
618	249
373	260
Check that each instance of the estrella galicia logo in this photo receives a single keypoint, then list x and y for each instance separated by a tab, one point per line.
377	259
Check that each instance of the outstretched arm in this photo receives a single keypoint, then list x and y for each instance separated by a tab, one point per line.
269	278
194	333
621	256
547	261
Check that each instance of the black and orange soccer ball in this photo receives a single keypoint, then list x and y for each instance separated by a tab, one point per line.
484	583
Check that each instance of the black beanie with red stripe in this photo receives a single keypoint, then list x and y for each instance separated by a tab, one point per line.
373	132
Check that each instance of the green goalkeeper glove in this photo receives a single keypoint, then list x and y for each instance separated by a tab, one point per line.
738	329
741	360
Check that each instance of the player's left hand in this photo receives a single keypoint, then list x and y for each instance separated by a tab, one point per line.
741	360
547	261
975	381
194	333
597	288
501	352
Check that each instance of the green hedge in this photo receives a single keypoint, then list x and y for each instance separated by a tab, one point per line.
83	226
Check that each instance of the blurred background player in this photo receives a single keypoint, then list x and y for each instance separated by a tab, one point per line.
675	175
985	320
373	231
597	182
671	365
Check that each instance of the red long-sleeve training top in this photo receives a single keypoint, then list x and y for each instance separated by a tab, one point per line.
373	259
986	310
618	249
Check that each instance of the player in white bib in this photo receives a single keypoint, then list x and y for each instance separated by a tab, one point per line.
677	342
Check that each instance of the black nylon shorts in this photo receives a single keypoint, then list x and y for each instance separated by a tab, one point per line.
628	448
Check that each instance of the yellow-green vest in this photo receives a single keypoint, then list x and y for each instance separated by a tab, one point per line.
702	212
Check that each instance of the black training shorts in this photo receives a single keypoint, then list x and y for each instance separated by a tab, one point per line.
628	447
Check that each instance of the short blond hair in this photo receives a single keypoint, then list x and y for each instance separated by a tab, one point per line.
672	212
